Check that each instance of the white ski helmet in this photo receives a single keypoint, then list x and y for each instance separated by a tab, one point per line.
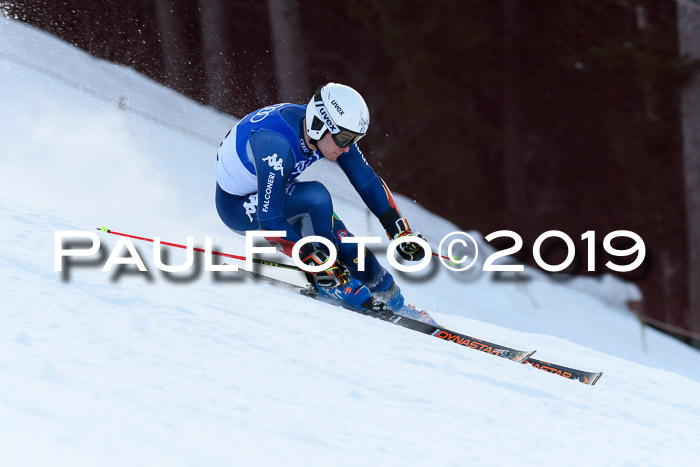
339	109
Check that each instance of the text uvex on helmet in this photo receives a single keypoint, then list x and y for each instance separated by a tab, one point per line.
340	110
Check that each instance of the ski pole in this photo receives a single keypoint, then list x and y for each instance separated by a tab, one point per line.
440	256
218	253
201	250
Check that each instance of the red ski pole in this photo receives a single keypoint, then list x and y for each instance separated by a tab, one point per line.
201	250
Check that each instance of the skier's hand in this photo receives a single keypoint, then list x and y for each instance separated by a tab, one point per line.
410	251
336	275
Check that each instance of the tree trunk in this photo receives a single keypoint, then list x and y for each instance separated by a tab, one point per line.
290	63
689	44
216	55
171	29
512	166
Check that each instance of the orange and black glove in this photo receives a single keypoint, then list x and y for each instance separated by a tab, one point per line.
336	275
410	251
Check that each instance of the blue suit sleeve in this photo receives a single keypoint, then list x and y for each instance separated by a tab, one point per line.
274	163
370	187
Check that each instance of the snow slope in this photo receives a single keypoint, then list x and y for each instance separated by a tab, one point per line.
104	368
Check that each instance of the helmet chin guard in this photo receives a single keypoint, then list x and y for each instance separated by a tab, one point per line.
340	110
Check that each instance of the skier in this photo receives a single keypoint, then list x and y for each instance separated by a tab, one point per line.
256	169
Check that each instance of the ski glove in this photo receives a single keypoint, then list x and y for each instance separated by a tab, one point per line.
410	251
336	275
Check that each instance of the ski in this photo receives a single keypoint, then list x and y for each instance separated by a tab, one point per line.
442	333
586	377
425	328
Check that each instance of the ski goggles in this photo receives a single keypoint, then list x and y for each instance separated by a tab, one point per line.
346	138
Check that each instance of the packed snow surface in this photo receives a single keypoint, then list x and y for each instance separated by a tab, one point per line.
127	368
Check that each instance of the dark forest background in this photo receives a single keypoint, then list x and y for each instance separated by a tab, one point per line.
526	115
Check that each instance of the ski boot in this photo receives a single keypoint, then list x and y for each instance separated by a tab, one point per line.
336	283
391	297
354	294
394	301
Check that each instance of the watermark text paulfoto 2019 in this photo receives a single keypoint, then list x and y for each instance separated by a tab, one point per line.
453	261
